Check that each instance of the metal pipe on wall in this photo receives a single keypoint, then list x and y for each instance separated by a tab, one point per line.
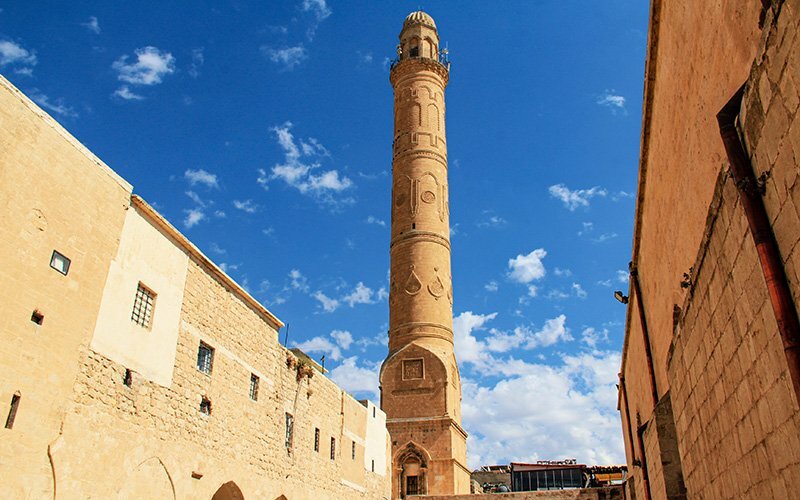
637	290
769	255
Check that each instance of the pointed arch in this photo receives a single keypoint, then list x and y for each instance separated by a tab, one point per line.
228	491
411	468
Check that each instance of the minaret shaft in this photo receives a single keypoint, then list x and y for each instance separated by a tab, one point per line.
420	384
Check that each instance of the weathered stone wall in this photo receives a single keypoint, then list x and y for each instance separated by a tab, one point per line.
736	415
54	195
607	493
241	440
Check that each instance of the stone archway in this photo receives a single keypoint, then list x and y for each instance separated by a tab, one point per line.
228	491
412	467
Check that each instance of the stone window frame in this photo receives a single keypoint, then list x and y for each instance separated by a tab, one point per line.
333	448
205	358
144	306
403	368
254	380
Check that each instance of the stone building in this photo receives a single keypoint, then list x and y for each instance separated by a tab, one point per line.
420	384
709	377
134	367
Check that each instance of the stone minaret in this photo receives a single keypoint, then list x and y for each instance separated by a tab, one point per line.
420	385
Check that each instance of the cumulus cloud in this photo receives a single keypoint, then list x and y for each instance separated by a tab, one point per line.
592	337
527	268
611	99
193	217
374	220
245	206
328	304
361	294
125	92
491	286
18	57
575	416
356	379
58	106
623	276
301	161
298	281
578	290
342	339
92	25
573	199
149	68
286	57
202	177
319	8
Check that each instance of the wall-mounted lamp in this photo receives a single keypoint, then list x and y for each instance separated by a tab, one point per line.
620	297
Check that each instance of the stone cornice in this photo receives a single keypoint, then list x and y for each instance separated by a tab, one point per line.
430	153
416	64
421	235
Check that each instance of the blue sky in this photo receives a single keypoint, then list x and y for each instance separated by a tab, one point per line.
263	131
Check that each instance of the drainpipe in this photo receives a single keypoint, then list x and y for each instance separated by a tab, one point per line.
643	460
629	428
637	290
780	296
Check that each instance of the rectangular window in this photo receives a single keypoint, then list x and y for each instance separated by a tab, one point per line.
205	406
353	452
205	358
143	305
316	440
333	448
289	431
373	466
37	317
60	263
254	387
12	412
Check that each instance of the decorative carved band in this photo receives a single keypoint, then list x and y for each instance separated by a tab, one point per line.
417	235
408	67
430	153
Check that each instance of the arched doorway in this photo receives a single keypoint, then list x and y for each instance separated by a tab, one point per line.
413	469
228	491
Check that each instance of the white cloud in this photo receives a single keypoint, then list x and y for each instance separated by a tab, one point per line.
374	220
491	221
364	57
328	304
343	338
491	286
605	237
201	176
533	291
318	7
297	170
574	417
195	198
623	276
357	379
193	217
453	230
246	206
286	57
298	281
12	54
150	67
527	268
320	345
611	99
579	291
382	294
553	331
198	59
124	92
573	199
591	337
468	349
214	247
361	294
562	272
57	107
92	25
227	268
588	227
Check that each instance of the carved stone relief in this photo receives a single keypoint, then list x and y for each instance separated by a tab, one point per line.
413	283
436	287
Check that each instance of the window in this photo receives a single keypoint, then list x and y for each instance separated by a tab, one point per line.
373	412
254	387
128	379
412	485
143	304
37	317
414	52
289	431
316	440
205	406
60	263
205	358
353	452
373	466
12	412
333	448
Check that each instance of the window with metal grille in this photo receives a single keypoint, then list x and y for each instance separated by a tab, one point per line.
316	439
143	306
253	387
333	448
353	452
289	431
205	358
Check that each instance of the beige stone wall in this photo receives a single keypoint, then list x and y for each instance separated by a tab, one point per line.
81	430
736	414
54	195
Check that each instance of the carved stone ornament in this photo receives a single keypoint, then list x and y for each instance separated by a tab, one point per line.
413	283
437	288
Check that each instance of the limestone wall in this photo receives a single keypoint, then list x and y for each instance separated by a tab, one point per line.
736	414
54	195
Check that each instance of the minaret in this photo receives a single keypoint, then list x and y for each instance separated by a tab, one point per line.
420	385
